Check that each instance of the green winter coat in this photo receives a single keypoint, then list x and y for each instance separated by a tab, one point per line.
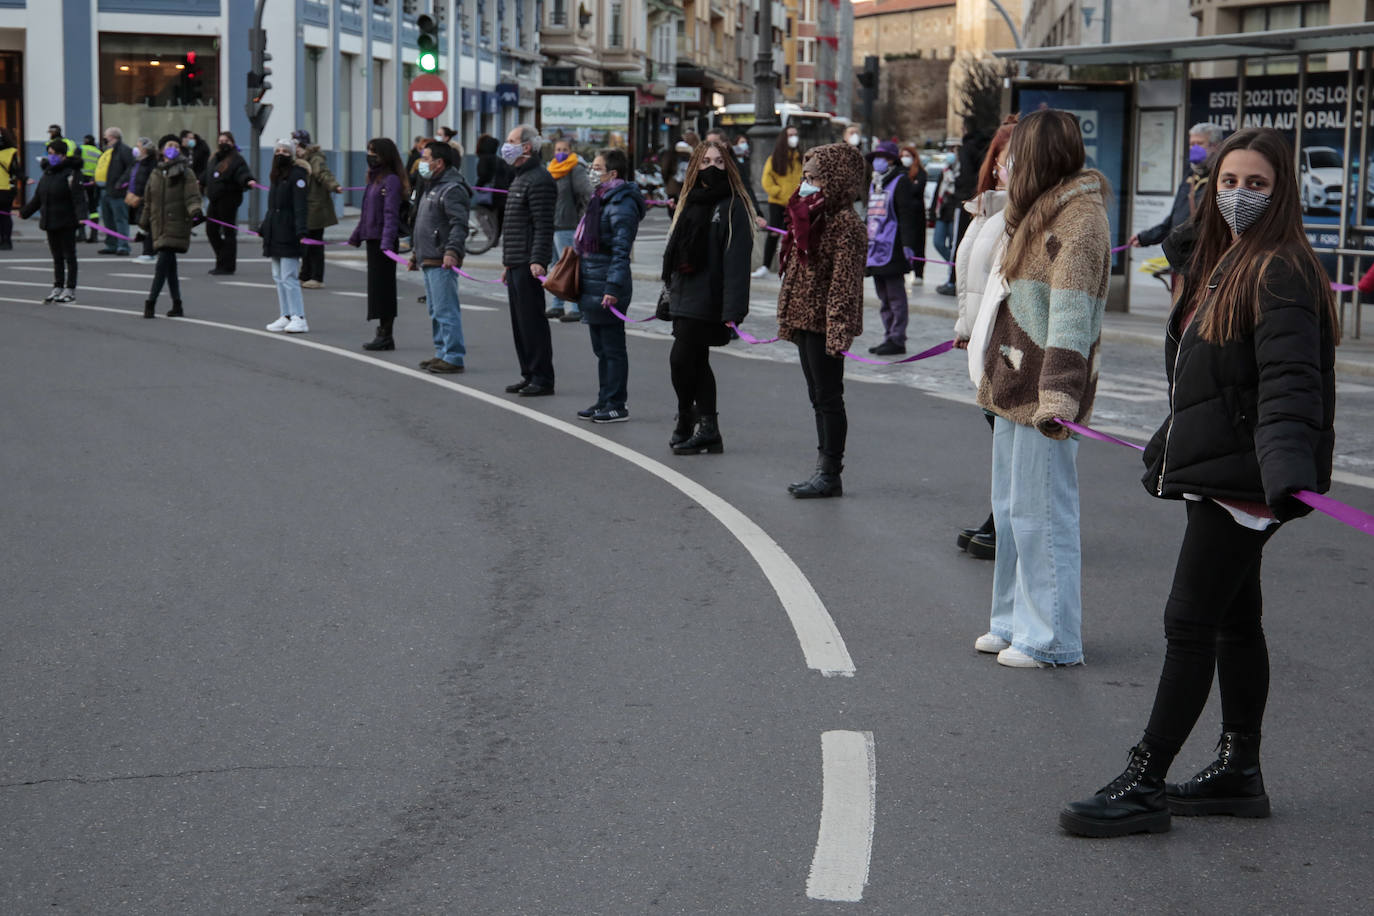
319	201
170	202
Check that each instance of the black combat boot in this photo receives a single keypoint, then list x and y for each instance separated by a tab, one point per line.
1132	803
826	482
797	485
686	422
705	439
150	308
383	340
1231	784
175	311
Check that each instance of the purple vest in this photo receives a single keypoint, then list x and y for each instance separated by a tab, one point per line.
882	223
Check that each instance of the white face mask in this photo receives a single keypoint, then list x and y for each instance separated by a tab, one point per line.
907	162
853	139
793	140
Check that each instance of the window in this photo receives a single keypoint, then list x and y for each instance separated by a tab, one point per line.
558	13
808	10
152	85
1285	16
617	35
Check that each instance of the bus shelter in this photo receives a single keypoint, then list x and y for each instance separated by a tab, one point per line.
1311	84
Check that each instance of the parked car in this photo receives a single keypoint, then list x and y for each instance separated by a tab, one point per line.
934	169
1320	172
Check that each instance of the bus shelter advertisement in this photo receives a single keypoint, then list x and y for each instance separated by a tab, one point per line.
590	119
1272	101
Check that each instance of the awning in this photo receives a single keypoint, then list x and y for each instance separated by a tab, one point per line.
1282	43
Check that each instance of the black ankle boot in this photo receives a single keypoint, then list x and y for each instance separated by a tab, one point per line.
1231	784
968	534
797	485
150	308
826	482
383	340
175	311
705	439
686	422
1132	803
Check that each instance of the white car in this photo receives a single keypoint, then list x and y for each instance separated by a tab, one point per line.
1320	170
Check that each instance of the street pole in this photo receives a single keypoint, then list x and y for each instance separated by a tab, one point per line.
765	131
1016	33
255	141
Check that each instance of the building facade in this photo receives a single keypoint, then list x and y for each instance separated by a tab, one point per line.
979	29
1054	23
914	41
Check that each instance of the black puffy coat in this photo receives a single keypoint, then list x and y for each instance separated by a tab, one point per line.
606	271
226	178
719	293
527	234
285	223
1251	419
59	198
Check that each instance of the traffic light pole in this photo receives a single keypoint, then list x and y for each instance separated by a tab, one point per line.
256	124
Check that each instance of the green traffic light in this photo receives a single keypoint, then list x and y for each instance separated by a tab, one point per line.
428	61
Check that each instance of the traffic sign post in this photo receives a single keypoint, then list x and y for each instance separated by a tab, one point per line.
428	95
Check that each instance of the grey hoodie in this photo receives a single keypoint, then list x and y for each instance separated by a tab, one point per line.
441	219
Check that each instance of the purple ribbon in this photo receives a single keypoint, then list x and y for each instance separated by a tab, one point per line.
1346	515
625	318
99	228
924	354
260	187
1344	287
217	222
746	337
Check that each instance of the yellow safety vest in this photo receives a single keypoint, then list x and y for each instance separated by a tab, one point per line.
102	167
7	157
90	157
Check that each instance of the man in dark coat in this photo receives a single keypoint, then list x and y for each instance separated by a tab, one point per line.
439	244
526	252
114	213
227	178
1203	141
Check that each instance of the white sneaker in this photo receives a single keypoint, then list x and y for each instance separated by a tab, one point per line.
990	642
280	324
297	325
1015	658
52	296
761	272
145	259
68	295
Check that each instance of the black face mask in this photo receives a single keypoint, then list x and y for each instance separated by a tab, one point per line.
711	177
373	160
282	160
226	148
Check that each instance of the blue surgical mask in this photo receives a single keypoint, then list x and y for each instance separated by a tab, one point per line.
807	189
880	164
54	158
171	152
511	152
423	168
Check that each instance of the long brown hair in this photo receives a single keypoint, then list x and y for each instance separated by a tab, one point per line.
1233	307
987	175
1045	148
738	190
783	156
384	148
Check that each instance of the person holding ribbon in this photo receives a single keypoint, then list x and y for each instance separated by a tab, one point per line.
379	225
1250	358
283	228
706	287
171	209
916	174
61	200
145	159
892	242
1039	364
321	206
603	240
1203	141
574	190
781	178
227	179
439	246
820	303
526	252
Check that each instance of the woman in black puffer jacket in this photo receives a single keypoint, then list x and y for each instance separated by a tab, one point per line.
282	230
62	202
1250	356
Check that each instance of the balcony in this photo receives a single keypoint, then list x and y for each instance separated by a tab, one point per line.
563	34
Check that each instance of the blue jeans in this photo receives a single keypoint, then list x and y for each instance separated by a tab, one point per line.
286	273
612	364
114	214
441	295
943	236
562	238
1037	599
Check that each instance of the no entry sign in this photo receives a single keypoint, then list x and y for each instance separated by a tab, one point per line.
428	96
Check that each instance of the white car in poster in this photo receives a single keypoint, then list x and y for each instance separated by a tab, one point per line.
1320	170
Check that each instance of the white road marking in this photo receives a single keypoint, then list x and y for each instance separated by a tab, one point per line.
272	286
41	269
80	289
844	843
820	639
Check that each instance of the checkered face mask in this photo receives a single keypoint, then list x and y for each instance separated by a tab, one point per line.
1241	207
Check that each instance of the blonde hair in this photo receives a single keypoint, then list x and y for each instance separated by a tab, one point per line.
738	191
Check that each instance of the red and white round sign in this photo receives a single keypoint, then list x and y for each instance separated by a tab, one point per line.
428	96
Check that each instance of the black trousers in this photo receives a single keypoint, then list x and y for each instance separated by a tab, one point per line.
312	257
62	244
529	327
770	244
166	272
1212	622
825	387
689	365
381	285
93	204
223	239
6	219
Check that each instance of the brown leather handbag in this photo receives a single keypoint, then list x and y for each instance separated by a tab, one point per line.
565	280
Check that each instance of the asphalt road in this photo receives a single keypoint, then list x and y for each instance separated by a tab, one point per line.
294	629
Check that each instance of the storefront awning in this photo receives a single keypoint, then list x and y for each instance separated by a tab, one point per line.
1283	43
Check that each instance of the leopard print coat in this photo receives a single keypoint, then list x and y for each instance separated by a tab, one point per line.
826	294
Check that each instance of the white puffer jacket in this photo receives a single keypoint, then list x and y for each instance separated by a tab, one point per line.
974	260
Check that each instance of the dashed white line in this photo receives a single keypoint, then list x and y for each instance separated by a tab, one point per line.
844	843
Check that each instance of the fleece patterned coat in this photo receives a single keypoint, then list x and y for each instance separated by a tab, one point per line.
1041	359
826	293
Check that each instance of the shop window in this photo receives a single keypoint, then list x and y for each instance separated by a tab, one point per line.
152	85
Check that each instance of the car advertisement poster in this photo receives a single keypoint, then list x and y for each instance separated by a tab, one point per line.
1272	101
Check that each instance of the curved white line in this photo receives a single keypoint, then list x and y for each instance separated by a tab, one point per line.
820	639
844	844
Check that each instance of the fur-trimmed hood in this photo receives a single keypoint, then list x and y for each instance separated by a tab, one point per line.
840	170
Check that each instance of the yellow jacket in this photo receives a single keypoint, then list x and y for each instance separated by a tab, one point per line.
8	157
780	188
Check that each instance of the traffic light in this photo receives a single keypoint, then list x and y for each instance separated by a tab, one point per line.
428	43
258	72
868	76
